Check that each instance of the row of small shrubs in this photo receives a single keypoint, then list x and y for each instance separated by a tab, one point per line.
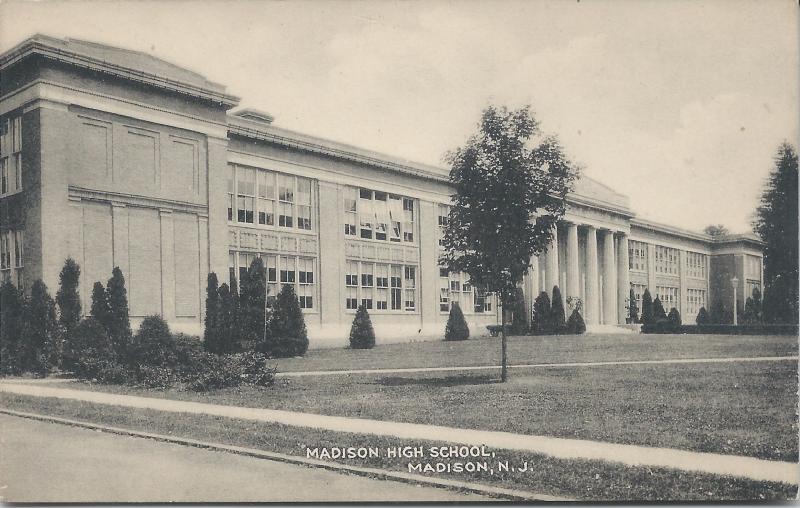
548	318
244	320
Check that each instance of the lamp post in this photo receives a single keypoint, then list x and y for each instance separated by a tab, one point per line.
735	284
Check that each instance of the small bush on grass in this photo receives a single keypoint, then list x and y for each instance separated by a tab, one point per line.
362	335
287	326
67	297
41	336
153	376
575	324
119	323
702	317
214	372
658	310
153	345
456	328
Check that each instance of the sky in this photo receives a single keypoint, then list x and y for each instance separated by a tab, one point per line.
680	105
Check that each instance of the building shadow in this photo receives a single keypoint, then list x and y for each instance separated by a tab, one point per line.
438	381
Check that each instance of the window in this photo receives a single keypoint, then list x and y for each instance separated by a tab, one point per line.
5	254
266	198
666	260
376	215
231	268
669	297
638	291
350	207
246	194
482	301
443	219
455	287
278	270
380	286
10	155
305	276
269	199
637	256
752	267
696	265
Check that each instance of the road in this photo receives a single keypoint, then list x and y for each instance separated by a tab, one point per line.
46	462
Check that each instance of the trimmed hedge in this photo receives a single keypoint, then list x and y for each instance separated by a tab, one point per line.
713	329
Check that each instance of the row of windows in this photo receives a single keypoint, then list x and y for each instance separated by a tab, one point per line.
269	199
456	288
10	155
380	286
12	254
375	215
666	260
669	297
637	256
695	300
280	270
696	265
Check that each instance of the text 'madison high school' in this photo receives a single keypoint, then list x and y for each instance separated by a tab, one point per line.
117	158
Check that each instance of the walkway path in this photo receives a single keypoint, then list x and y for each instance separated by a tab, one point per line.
747	467
538	365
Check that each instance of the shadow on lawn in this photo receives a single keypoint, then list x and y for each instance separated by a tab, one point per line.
438	381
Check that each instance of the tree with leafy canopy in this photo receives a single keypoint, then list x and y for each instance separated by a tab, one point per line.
456	327
540	316
510	185
777	223
287	325
119	323
68	297
558	316
716	230
647	308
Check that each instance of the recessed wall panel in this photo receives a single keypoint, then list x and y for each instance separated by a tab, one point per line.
144	282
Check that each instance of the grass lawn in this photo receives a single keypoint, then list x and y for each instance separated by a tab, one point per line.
545	349
742	408
580	479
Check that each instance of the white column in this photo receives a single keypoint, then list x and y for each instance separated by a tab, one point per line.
551	263
592	305
623	278
609	279
573	268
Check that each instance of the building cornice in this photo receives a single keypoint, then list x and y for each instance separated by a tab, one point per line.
120	198
48	48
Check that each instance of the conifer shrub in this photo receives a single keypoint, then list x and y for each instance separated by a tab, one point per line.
287	325
362	335
647	308
575	324
658	310
89	350
153	345
540	315
119	323
253	315
519	323
633	309
228	329
557	314
40	339
11	319
702	317
674	318
456	328
211	333
68	298
100	310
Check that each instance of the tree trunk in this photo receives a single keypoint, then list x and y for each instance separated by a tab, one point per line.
504	361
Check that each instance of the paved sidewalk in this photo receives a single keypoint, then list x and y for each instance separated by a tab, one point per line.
537	365
562	448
